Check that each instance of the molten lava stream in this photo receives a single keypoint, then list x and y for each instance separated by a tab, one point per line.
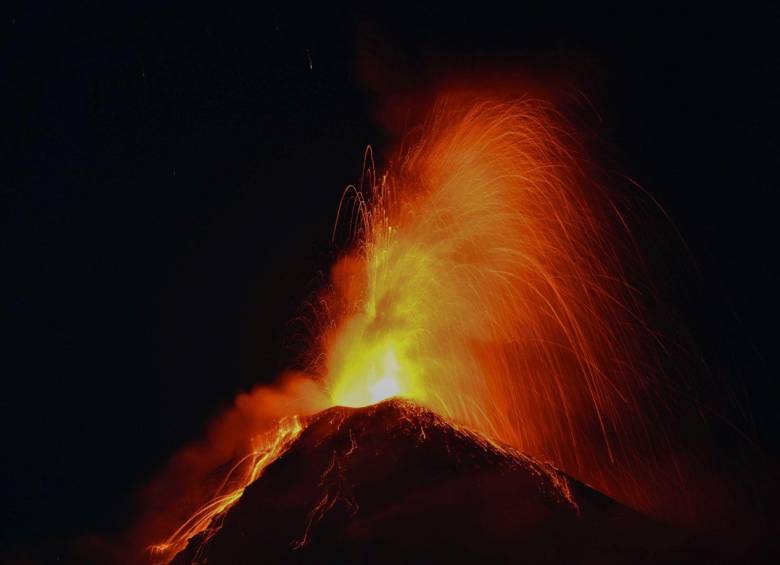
207	518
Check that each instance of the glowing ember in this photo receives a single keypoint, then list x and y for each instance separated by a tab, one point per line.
385	388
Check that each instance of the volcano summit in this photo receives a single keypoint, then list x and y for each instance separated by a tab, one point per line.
394	482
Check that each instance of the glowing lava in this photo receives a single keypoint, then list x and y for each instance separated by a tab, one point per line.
373	373
206	521
487	285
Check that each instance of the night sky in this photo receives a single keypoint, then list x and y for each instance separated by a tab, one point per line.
171	177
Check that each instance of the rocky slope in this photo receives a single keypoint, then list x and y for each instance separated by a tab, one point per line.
395	483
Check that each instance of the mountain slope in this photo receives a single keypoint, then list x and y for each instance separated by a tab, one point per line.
394	482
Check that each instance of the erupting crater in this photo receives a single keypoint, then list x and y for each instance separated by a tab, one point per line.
488	282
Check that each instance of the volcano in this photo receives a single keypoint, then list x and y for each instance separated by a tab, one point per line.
394	482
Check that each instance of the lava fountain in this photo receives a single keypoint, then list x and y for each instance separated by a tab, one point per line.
487	283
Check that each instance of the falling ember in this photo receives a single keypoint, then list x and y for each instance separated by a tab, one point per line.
487	285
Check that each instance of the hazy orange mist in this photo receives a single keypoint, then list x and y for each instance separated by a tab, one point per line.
207	477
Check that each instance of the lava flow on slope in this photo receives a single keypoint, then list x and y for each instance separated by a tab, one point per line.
394	482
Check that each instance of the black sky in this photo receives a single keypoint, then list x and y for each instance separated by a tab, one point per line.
172	177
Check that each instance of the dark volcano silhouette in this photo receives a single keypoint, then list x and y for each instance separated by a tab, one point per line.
395	483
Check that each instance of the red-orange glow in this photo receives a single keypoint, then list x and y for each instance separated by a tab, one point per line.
487	284
265	449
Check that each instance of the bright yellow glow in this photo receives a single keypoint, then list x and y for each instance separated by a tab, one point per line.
385	388
374	373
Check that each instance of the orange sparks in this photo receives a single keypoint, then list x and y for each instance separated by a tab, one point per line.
487	285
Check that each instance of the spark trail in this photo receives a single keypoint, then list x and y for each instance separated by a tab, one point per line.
488	285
